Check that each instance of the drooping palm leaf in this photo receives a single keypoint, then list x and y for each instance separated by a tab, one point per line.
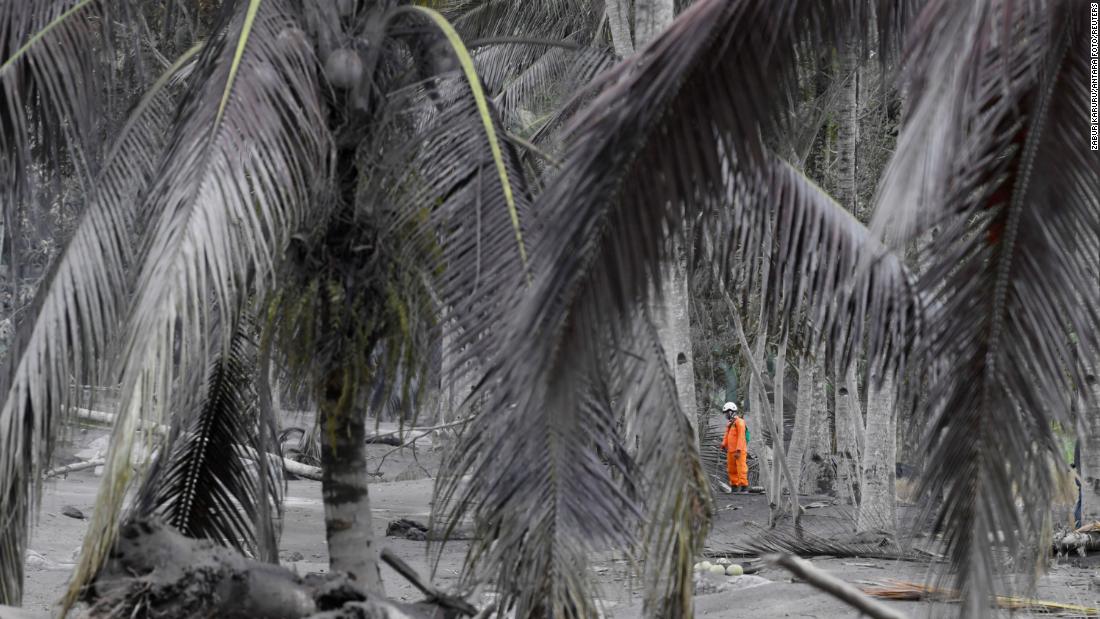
1017	201
547	494
50	87
77	311
674	136
675	490
537	56
459	171
206	482
244	158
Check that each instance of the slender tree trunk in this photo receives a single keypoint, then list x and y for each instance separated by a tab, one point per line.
1090	452
351	544
816	476
674	330
803	416
618	21
848	129
849	431
672	313
755	419
651	17
878	505
779	449
1090	443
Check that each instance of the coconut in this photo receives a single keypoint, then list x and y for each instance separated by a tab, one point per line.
734	570
717	569
722	561
705	565
698	567
344	68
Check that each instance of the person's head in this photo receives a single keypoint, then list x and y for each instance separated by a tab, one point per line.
730	409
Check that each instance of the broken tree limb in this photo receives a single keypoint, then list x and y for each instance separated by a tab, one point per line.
75	466
1077	541
290	466
435	596
835	587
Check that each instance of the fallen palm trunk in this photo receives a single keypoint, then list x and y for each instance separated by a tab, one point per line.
75	466
290	466
156	572
835	587
1082	540
1077	541
901	590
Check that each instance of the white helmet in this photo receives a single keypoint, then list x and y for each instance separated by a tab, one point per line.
729	407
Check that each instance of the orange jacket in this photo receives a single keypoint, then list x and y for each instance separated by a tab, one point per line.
734	439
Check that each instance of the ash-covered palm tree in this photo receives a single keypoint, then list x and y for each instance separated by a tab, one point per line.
676	139
993	154
328	166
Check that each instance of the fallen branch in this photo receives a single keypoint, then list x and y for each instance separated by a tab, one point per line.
290	466
383	439
901	590
1079	541
410	442
835	587
435	596
76	466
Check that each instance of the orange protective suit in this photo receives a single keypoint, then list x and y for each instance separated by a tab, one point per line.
737	453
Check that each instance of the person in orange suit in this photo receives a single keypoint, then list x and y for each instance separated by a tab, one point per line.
736	447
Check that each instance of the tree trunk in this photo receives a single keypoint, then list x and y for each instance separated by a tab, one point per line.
803	416
1090	452
651	17
849	432
674	331
816	475
351	544
754	418
618	21
878	504
848	130
672	313
779	448
849	423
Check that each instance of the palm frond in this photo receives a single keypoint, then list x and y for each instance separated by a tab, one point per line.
530	76
556	20
675	136
675	490
458	170
237	178
551	78
1008	278
543	493
49	92
76	313
205	483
